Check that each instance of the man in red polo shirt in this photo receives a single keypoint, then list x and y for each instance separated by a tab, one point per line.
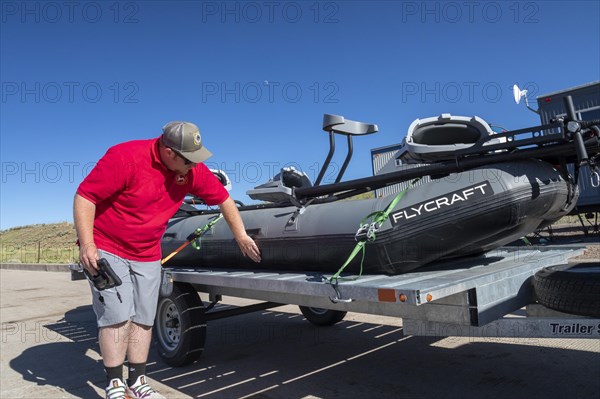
121	211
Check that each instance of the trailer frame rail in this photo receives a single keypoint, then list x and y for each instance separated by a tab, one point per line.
468	291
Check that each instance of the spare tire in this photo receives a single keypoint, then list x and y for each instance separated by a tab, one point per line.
573	288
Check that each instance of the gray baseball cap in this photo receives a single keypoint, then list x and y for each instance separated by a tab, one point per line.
184	138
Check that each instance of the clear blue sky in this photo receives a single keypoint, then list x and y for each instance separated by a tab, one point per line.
257	77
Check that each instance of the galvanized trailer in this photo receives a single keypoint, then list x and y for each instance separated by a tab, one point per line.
461	297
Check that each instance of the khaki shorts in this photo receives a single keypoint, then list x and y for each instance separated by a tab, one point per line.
135	299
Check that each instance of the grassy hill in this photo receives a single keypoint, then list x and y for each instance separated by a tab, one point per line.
39	243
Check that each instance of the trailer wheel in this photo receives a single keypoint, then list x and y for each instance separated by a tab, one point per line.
571	289
322	317
180	326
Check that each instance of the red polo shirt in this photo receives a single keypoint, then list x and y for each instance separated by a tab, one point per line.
135	195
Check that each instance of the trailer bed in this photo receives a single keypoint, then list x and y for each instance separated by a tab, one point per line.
468	291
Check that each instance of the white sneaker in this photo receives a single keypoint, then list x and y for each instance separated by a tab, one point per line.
116	389
141	390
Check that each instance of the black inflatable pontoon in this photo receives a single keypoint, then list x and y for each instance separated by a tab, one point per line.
485	190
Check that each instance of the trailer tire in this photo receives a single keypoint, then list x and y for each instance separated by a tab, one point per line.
571	289
322	317
180	326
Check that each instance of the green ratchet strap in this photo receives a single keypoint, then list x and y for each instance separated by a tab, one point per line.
367	231
196	243
193	238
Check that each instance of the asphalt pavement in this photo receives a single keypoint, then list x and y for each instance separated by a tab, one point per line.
49	349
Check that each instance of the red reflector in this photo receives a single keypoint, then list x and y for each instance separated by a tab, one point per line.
547	99
386	295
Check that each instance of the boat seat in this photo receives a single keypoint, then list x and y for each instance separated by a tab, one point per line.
281	187
447	134
440	137
339	124
292	178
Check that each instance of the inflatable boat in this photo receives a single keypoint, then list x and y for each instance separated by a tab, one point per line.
479	190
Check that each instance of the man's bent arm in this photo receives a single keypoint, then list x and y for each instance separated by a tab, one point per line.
234	220
84	212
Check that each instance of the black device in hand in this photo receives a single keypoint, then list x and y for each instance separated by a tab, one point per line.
106	277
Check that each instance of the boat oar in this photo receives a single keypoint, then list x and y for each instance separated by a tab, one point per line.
195	235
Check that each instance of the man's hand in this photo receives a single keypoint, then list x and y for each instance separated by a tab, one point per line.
88	256
234	220
249	248
83	215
